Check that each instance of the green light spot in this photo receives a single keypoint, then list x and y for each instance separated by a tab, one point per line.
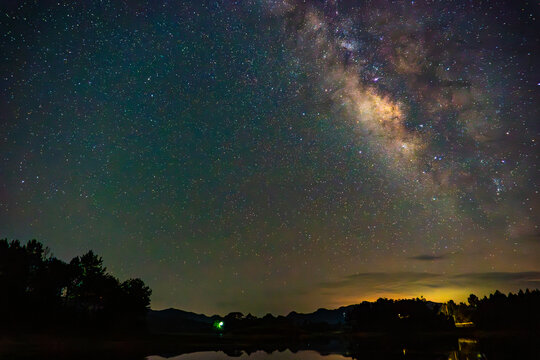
218	325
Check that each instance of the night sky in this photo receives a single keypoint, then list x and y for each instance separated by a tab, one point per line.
277	155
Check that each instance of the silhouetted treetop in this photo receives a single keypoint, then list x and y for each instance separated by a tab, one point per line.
39	290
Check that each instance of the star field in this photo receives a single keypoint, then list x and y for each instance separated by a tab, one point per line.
265	156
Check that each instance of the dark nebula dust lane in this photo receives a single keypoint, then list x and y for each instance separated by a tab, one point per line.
266	156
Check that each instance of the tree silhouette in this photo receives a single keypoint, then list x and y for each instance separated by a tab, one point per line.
516	311
136	296
39	290
397	315
473	300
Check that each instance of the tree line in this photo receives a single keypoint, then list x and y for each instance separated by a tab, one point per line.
41	292
398	315
383	315
499	311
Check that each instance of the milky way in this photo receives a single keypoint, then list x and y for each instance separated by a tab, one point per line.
267	155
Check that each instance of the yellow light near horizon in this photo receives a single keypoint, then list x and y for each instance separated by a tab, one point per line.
441	295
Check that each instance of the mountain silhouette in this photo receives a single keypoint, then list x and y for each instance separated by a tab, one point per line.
331	317
175	320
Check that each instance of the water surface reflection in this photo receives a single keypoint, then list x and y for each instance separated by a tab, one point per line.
467	349
257	355
496	346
